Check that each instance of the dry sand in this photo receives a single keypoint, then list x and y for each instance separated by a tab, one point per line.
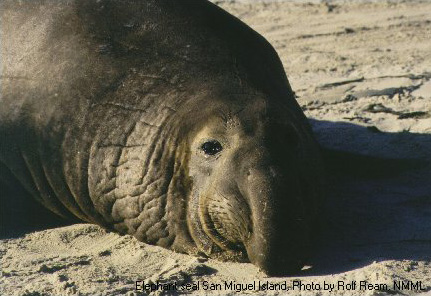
362	73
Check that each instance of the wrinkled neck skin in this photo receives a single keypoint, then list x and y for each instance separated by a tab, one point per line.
139	184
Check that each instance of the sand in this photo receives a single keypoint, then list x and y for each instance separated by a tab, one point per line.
362	74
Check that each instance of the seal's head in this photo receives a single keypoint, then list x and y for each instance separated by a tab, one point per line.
253	170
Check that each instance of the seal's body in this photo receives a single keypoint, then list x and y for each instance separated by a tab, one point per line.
168	120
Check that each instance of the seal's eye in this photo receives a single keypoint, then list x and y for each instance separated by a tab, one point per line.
211	147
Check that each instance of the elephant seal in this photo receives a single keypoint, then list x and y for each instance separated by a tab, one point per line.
171	121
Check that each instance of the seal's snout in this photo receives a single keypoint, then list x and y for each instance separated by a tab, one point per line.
279	240
273	263
276	255
277	248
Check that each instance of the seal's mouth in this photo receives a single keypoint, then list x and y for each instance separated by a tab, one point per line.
226	220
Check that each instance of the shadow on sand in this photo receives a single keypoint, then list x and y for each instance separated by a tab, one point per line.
378	205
